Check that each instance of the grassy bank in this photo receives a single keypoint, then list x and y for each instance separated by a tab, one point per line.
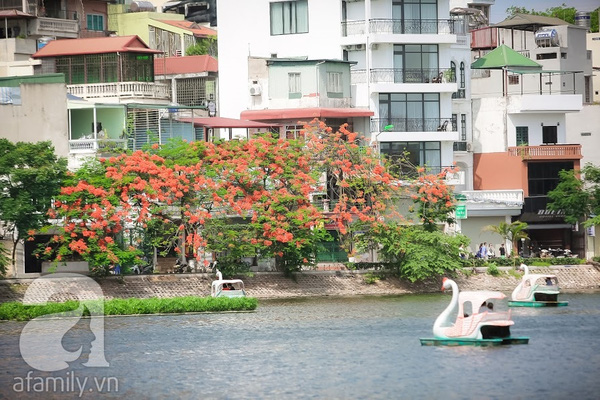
133	306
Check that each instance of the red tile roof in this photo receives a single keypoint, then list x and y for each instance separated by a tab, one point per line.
99	45
197	30
305	113
184	65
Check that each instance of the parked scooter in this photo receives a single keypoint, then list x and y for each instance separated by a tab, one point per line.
182	268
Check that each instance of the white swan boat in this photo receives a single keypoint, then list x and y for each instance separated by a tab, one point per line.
227	287
466	321
536	290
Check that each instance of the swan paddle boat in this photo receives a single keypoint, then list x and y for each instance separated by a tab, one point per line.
470	320
227	287
536	290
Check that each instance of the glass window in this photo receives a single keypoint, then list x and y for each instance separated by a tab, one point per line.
334	82
415	16
462	75
522	135
463	127
288	17
414	154
415	63
95	22
294	83
409	112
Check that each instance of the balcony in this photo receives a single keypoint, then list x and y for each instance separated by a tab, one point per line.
93	146
402	27
146	90
547	152
544	103
488	202
412	125
63	28
411	75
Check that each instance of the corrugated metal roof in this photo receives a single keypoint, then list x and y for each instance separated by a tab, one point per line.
100	45
530	21
185	65
198	30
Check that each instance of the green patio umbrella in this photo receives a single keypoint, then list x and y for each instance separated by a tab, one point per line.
503	58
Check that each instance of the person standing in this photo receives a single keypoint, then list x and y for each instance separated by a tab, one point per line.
502	251
491	252
484	251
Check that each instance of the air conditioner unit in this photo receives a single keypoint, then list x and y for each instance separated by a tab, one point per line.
359	47
178	53
255	90
469	147
374	46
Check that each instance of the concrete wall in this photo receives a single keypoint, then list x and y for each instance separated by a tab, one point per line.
584	128
41	116
267	285
492	171
244	31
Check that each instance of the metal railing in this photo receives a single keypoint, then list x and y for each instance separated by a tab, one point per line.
412	124
404	26
411	75
411	26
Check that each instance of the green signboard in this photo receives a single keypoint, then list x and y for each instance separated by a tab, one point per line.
461	211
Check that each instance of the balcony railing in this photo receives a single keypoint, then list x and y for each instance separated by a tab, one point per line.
412	124
404	26
510	197
150	90
351	28
411	75
411	26
89	146
547	152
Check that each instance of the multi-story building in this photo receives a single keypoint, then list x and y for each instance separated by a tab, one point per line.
409	67
395	71
521	138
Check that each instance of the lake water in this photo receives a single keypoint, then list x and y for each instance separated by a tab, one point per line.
327	348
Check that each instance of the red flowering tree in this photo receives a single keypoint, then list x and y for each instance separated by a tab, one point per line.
236	198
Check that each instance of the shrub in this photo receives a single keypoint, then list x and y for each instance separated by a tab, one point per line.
132	306
493	270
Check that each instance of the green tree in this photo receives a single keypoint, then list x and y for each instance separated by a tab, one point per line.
30	176
412	252
578	198
512	232
204	46
563	12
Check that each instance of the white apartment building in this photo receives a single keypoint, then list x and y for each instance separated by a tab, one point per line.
409	69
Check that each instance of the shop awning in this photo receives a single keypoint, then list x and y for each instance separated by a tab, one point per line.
305	113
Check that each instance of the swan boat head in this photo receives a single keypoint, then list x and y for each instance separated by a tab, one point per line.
463	317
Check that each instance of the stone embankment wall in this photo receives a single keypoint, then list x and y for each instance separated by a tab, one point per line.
267	285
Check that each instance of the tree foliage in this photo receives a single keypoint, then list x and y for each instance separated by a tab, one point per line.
578	198
30	176
238	198
512	232
414	252
203	46
564	12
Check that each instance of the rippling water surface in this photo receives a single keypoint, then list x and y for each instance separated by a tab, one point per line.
330	348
